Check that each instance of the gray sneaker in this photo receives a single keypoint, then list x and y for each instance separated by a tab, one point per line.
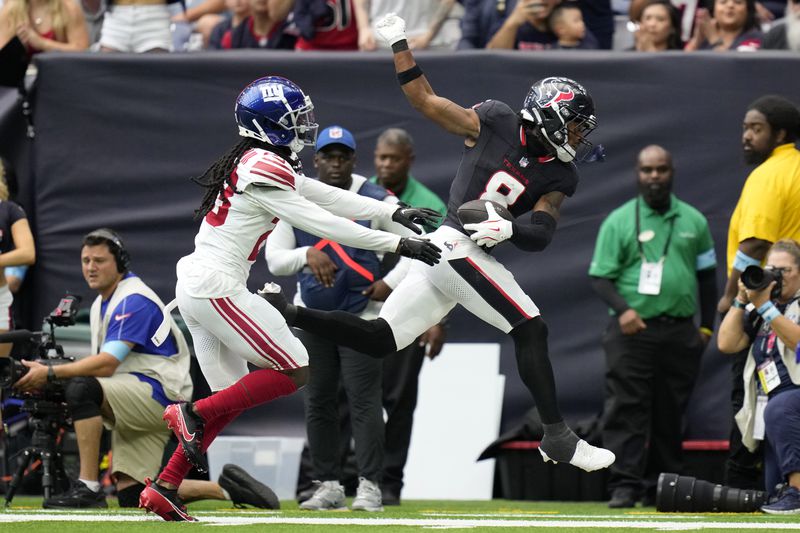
329	496
368	497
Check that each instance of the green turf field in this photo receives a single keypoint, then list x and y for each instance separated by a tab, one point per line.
26	515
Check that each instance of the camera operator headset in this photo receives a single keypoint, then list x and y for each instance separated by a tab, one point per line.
766	318
125	384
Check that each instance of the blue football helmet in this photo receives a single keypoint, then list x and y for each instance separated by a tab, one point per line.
561	111
276	111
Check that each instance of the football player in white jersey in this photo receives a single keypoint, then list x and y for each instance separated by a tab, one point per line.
258	182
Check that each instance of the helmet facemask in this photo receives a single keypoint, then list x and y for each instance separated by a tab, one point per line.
301	122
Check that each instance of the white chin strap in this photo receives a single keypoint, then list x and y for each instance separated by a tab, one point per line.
296	145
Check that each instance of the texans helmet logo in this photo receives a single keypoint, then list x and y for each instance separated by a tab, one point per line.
554	95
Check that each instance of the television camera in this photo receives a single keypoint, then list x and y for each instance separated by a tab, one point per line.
46	409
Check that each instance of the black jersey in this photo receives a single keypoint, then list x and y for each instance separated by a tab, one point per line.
9	213
499	167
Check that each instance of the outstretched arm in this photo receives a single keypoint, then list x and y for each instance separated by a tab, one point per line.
444	112
344	203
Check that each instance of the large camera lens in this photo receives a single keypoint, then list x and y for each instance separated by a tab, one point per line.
686	494
756	278
10	371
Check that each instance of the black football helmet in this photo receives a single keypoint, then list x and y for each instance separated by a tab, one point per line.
561	111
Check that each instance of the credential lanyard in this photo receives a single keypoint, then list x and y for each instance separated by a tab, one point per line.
639	230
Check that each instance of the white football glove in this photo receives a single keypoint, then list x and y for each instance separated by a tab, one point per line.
491	231
391	28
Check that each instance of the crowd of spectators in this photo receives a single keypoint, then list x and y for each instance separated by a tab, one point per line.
342	25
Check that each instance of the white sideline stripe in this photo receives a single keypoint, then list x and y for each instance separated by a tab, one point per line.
433	523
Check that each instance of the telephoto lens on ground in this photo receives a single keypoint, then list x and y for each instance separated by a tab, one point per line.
685	494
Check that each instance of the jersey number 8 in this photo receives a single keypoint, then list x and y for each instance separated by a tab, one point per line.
503	188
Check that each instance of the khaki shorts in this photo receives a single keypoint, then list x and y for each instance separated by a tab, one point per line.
138	435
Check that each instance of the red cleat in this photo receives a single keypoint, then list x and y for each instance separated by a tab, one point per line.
188	427
163	502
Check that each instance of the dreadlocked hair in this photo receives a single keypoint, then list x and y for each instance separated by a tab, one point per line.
216	177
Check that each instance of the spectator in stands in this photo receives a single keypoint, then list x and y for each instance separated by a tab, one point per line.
659	28
44	25
687	10
265	28
527	28
785	34
766	322
732	25
125	384
394	155
430	25
566	23
653	255
336	277
137	26
768	209
203	16
484	18
326	25
17	250
238	11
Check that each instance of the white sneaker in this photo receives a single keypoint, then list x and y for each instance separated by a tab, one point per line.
587	457
368	497
329	496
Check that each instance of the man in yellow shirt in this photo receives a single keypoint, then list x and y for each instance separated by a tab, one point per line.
768	210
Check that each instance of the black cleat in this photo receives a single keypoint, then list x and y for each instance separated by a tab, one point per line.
79	496
244	489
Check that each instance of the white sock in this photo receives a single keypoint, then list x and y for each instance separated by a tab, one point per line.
94	486
225	493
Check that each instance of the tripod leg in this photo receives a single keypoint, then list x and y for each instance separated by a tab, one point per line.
47	474
24	460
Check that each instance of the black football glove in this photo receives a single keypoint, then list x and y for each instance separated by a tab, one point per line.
419	249
411	216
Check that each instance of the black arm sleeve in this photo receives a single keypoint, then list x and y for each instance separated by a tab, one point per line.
707	286
608	292
535	236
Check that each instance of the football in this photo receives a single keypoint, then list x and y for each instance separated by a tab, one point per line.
475	211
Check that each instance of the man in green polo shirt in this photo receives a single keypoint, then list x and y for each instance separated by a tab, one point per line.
394	155
652	257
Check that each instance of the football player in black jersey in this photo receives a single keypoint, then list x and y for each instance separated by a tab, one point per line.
523	160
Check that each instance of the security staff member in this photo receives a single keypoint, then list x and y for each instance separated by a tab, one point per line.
651	255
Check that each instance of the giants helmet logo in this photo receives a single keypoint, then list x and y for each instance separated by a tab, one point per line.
272	91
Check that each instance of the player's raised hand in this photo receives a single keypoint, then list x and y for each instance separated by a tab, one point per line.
410	216
419	249
492	231
391	28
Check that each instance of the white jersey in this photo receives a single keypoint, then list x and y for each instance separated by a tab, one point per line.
263	189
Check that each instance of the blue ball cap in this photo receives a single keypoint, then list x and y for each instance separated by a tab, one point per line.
335	135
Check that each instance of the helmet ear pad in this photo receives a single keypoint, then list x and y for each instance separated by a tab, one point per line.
553	130
267	131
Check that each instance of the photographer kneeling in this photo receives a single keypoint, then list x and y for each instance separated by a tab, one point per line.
766	318
125	385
